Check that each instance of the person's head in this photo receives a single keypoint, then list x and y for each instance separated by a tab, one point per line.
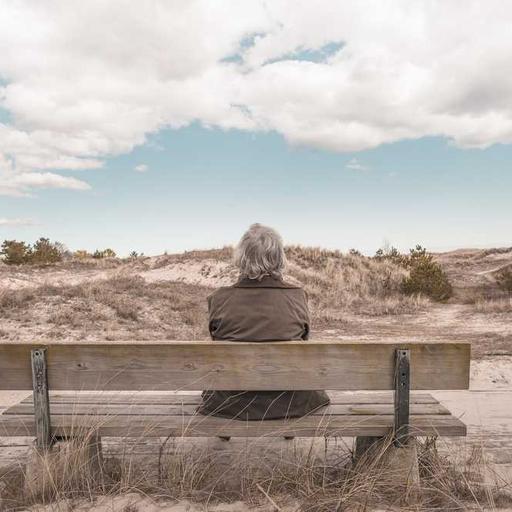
260	253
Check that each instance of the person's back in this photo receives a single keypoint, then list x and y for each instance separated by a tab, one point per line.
260	307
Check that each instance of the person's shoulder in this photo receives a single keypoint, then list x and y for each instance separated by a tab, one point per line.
291	283
221	292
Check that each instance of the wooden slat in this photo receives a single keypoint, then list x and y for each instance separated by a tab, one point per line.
231	366
336	397
199	426
189	410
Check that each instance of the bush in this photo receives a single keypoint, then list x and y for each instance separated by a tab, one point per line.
392	254
426	276
16	253
45	251
81	254
106	253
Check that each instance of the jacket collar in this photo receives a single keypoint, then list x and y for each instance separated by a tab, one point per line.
266	282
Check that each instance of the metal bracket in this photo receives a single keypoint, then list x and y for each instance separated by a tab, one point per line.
402	392
41	399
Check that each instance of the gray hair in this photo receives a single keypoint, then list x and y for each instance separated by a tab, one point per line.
260	253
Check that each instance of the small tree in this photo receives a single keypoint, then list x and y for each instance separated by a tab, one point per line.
392	254
426	276
106	253
46	252
16	253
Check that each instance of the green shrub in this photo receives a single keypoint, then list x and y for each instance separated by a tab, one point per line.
45	251
392	254
504	280
42	252
16	253
425	276
106	253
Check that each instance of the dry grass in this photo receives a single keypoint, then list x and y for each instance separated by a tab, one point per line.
126	306
337	283
297	476
500	305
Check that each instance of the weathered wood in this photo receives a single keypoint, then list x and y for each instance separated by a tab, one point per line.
194	398
337	397
95	454
202	426
41	408
402	391
232	366
136	409
363	444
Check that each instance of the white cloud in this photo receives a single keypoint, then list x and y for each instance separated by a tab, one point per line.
141	168
20	184
79	88
356	165
16	222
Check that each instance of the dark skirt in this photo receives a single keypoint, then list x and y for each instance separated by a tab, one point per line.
261	405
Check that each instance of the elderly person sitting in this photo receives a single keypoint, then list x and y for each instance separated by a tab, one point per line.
260	307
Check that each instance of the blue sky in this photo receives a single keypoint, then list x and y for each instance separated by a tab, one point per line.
342	124
203	187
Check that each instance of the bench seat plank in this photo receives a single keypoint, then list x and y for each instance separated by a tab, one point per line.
137	409
202	426
337	397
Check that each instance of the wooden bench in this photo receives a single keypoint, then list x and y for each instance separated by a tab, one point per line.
387	371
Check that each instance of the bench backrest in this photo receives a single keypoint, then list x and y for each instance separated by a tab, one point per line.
196	365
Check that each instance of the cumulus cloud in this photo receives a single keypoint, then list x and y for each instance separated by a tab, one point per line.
141	168
342	76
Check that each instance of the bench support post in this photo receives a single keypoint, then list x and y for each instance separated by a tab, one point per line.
402	395
41	399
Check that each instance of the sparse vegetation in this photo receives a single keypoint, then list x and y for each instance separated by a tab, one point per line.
127	305
338	283
298	476
503	305
425	277
105	253
43	252
81	254
15	253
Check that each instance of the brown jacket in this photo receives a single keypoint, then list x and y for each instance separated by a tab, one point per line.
266	310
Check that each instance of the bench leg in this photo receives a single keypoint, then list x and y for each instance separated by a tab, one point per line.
364	444
95	455
400	462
